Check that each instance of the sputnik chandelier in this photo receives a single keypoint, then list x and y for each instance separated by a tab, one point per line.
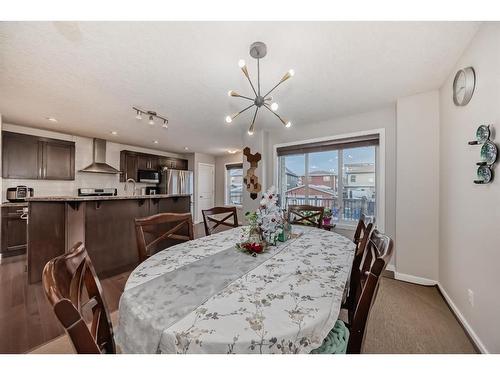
258	50
151	117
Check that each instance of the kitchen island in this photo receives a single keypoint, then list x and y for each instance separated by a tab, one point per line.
104	224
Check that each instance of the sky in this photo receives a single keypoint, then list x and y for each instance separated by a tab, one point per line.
328	160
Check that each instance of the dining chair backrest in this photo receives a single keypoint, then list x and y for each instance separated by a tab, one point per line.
361	237
175	226
212	223
380	248
305	215
74	291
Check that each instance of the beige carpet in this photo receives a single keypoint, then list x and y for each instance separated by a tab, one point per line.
409	318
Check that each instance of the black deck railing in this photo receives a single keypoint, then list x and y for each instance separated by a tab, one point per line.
351	208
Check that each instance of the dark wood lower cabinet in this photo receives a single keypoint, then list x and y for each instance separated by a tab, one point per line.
13	232
105	226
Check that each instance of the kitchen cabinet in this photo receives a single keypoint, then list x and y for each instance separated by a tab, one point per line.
21	156
14	235
30	157
58	159
173	163
147	162
131	162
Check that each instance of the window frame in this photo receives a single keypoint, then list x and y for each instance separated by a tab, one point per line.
380	161
226	190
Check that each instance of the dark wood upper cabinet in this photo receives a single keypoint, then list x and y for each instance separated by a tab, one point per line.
58	161
30	157
21	156
131	162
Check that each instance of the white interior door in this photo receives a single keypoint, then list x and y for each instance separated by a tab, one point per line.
206	188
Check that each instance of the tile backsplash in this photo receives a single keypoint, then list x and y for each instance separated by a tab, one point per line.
83	157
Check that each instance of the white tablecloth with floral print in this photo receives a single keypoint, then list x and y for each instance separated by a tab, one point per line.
204	296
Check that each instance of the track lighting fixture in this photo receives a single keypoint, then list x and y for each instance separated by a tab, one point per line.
151	117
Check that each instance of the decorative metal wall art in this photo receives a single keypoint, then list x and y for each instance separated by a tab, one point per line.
250	179
488	155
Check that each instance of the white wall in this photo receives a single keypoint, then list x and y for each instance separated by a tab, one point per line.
83	157
384	118
469	255
417	199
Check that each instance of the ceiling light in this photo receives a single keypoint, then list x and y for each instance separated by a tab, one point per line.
114	133
155	141
51	119
258	50
186	148
151	116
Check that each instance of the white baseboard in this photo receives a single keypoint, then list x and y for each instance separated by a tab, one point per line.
414	279
464	322
390	267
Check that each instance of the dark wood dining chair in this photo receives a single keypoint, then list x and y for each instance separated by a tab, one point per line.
212	223
174	226
361	236
380	248
74	291
306	215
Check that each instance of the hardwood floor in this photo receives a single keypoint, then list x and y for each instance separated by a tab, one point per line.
27	319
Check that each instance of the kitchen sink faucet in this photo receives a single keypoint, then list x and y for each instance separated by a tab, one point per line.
126	184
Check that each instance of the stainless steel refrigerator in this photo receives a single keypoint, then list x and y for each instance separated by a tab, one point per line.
174	181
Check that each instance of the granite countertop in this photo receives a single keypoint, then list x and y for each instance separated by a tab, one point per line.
14	204
105	198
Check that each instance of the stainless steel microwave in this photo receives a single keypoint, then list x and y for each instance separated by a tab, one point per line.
148	177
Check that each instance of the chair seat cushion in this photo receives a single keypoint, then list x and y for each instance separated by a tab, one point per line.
336	340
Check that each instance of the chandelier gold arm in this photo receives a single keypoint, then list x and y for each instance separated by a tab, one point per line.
245	72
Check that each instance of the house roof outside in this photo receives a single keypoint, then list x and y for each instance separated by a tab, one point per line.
360	168
318	188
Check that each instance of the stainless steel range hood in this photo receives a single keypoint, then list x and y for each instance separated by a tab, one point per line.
99	164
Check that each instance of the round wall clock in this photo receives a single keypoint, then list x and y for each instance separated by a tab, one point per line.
463	86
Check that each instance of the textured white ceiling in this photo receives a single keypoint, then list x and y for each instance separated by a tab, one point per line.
89	74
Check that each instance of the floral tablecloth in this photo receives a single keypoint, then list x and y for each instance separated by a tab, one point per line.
204	296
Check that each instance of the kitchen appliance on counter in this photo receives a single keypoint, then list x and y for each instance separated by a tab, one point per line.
19	193
150	190
148	177
93	192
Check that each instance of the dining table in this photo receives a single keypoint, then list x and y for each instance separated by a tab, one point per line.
207	296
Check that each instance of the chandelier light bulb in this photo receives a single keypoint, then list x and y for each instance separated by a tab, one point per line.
288	124
165	124
230	93
138	117
250	131
291	72
241	63
229	119
151	121
274	106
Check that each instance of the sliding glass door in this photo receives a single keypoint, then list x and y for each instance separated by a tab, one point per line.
341	177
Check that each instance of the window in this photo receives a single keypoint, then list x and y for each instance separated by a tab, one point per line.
339	175
234	184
